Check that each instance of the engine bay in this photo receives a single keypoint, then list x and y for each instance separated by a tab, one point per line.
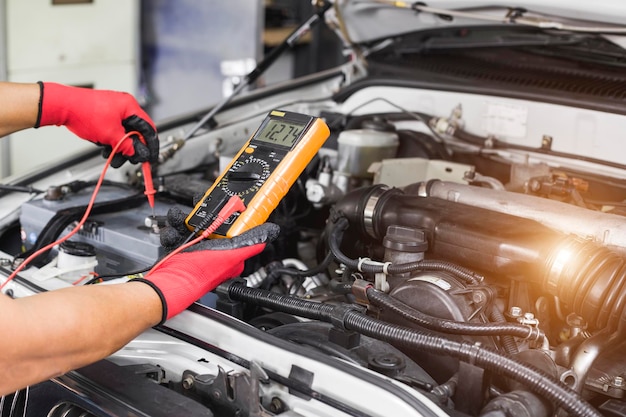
468	251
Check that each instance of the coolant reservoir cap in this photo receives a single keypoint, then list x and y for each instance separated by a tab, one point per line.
77	248
405	239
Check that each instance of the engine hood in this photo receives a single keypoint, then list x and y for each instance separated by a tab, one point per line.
367	21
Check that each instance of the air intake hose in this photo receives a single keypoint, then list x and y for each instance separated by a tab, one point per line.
587	278
590	279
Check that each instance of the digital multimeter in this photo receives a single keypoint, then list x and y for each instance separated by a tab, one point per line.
262	172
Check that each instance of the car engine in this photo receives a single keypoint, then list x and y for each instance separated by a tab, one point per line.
456	249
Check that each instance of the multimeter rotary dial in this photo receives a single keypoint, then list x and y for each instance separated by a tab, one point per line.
245	177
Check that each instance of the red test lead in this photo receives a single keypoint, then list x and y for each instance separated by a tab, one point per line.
148	184
92	200
234	205
146	170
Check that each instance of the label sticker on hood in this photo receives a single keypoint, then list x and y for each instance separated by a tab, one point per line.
505	120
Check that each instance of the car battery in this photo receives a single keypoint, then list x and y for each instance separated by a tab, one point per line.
124	238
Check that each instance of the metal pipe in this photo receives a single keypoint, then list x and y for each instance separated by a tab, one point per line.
587	277
608	229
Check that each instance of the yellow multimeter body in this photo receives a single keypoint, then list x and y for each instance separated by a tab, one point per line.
262	172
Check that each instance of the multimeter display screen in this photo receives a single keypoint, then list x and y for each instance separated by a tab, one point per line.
279	132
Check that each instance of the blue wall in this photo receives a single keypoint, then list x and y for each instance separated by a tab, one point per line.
183	43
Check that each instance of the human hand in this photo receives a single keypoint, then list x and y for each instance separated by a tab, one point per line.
187	276
102	117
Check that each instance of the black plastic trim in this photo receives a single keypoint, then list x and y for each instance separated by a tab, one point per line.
117	391
579	102
45	172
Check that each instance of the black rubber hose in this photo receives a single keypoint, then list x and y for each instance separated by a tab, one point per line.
20	189
508	343
346	316
275	301
334	241
538	381
340	287
298	273
413	315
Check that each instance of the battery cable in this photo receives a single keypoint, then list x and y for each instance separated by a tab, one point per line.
82	220
234	204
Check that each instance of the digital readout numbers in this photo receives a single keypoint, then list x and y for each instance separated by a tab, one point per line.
280	133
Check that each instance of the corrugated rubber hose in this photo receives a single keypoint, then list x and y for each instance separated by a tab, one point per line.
350	318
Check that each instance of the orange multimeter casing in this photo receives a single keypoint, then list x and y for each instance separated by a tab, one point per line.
262	172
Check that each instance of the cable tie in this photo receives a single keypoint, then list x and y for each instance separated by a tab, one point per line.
474	351
359	266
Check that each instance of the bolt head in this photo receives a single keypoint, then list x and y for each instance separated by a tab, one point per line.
478	297
188	382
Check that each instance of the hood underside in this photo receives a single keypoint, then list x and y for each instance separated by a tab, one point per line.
371	20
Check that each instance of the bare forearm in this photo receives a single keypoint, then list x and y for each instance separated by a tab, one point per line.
55	332
18	106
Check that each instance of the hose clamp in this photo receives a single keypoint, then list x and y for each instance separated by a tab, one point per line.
534	335
359	290
370	208
422	190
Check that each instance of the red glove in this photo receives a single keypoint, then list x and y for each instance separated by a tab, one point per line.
189	275
102	117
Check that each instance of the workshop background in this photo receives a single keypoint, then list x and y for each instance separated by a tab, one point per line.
175	57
